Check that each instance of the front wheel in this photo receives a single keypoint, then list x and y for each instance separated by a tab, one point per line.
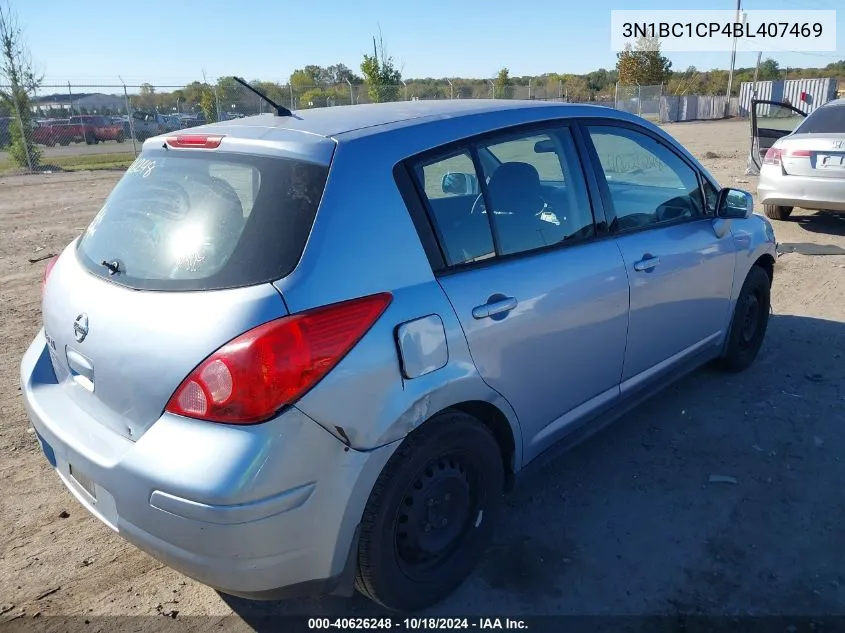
776	212
120	138
431	513
749	323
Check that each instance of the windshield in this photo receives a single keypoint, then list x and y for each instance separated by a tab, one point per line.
197	220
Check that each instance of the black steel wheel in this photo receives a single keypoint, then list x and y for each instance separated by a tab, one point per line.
750	320
431	513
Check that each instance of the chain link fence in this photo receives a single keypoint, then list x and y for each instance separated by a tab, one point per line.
65	127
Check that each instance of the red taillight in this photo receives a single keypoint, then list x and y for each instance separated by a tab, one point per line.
195	141
773	155
253	376
47	270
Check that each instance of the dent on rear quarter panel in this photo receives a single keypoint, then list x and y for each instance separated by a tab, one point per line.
364	242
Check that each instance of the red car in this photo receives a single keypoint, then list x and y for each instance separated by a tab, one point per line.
88	128
54	131
97	128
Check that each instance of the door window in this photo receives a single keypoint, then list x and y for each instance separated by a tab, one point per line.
649	183
536	189
530	194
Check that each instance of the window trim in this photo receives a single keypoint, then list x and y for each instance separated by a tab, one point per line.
468	145
423	223
604	189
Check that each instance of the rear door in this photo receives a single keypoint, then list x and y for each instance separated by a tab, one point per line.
680	268
770	121
540	291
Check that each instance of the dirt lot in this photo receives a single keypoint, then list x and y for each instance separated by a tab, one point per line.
627	523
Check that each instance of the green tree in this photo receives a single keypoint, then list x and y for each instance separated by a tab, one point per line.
769	70
382	77
643	64
502	84
146	97
208	103
19	77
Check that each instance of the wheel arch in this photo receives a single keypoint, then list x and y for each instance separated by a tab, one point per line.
497	422
767	263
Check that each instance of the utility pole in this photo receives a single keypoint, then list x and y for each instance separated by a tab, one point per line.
733	54
756	72
451	89
351	93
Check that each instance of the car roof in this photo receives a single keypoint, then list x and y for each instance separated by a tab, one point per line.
338	120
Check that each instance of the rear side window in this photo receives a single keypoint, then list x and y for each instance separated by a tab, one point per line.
826	120
194	220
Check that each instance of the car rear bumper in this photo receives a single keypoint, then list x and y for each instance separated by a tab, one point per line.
262	511
800	191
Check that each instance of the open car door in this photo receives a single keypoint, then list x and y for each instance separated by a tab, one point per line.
771	120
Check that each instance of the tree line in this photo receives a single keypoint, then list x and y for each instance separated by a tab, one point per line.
378	79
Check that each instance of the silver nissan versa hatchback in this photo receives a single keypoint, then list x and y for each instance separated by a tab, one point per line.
303	352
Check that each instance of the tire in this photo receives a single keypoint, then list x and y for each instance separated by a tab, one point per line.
777	213
120	138
50	143
90	139
749	322
450	469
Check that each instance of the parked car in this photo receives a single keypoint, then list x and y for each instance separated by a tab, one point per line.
801	157
147	124
88	128
52	132
96	129
172	122
281	383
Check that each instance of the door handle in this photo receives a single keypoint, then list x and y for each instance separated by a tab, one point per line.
646	264
500	306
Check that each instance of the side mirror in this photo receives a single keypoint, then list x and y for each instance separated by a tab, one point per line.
457	183
734	203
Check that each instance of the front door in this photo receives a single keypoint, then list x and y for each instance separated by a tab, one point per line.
771	120
543	302
680	269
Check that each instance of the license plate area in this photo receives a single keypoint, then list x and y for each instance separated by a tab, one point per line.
830	161
85	482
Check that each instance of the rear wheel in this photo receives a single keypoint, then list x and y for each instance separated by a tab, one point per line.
90	139
120	138
749	323
776	212
431	513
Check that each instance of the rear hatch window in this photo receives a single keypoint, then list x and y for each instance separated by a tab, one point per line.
200	220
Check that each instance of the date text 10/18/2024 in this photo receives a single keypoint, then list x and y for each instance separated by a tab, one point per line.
418	624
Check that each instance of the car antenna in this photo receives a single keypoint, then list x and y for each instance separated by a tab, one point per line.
280	110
